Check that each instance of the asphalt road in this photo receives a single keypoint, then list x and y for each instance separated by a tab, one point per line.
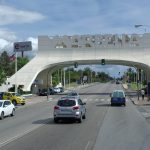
106	127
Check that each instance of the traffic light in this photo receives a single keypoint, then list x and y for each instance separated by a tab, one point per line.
75	65
103	62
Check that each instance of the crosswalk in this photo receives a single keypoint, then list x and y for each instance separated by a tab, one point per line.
88	100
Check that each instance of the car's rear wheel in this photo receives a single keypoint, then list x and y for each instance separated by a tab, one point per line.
2	116
13	112
84	116
14	102
80	119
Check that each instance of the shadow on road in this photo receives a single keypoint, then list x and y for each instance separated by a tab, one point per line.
51	121
44	121
103	105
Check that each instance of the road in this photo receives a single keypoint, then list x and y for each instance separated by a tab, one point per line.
106	127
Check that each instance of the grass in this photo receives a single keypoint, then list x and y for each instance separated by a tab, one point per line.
133	86
73	84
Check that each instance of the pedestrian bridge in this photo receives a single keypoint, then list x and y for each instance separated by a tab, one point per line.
61	51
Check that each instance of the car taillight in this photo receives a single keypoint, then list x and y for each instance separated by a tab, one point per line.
56	108
75	107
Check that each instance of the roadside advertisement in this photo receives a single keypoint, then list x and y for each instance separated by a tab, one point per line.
22	46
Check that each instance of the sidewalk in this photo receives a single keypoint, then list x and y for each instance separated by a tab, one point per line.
140	102
134	99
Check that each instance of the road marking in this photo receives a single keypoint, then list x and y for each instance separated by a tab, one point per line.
102	100
87	145
20	135
145	114
108	100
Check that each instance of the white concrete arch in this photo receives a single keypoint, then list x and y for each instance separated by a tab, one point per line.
63	51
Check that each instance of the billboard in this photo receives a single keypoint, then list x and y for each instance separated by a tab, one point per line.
22	46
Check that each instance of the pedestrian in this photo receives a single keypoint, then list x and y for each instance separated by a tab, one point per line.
143	94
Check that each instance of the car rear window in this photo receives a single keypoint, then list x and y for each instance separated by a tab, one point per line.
66	103
118	94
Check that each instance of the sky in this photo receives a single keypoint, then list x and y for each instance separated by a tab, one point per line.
23	20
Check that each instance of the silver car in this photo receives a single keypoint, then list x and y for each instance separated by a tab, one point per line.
69	108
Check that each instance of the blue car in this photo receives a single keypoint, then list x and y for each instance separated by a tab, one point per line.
118	98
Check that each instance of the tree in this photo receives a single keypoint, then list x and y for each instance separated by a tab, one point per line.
20	63
7	66
5	63
2	76
103	76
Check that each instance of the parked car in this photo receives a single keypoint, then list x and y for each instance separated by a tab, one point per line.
69	108
51	91
56	90
43	92
15	98
6	108
118	98
61	89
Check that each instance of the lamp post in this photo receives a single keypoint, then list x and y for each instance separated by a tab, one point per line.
47	83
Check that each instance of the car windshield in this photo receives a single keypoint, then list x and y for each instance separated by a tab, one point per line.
118	94
1	104
66	103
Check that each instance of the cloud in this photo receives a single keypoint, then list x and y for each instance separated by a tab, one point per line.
7	38
34	42
11	15
7	34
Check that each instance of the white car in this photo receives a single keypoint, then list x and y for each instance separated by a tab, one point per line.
56	90
6	108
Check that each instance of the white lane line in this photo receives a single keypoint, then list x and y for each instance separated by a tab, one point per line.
20	135
145	114
87	145
108	100
102	100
